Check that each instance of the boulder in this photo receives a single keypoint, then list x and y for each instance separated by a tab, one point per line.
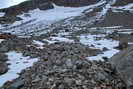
123	62
4	48
45	6
3	57
17	84
3	68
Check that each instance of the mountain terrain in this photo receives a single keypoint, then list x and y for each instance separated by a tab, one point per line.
67	44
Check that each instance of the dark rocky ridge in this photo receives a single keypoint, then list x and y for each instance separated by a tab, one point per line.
122	2
120	18
12	12
26	6
43	5
74	3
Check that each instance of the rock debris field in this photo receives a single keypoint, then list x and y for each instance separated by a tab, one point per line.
67	47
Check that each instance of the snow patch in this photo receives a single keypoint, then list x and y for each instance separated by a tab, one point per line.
99	42
1	40
58	39
38	43
126	7
17	63
2	14
62	39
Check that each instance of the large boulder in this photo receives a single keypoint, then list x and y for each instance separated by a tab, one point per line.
123	62
3	68
45	6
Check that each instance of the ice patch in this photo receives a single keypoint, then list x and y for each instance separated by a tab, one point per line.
17	63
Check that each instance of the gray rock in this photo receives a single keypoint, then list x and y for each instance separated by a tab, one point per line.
17	84
4	48
69	63
123	62
45	6
3	68
3	57
101	76
69	81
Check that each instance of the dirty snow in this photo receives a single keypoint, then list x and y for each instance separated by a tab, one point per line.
17	63
99	42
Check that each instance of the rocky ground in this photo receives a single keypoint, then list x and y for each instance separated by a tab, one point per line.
61	66
65	51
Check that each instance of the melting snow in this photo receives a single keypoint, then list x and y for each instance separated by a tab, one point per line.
62	39
17	63
100	44
39	44
58	39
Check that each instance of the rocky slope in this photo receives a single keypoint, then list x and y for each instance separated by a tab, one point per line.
68	49
62	65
